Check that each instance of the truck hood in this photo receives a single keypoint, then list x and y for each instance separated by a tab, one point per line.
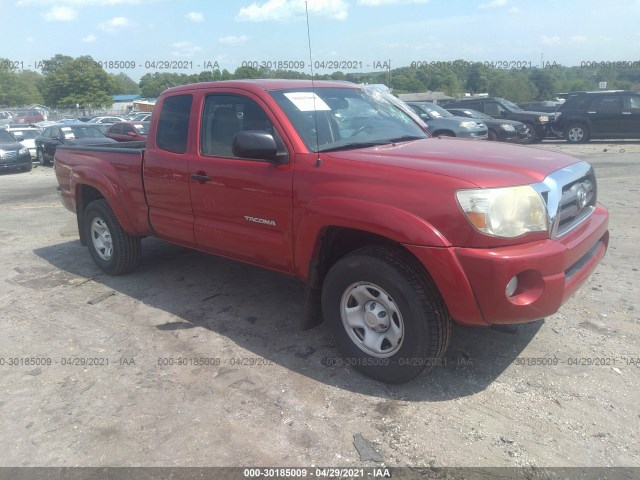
481	163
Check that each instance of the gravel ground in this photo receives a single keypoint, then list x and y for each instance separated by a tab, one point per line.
195	360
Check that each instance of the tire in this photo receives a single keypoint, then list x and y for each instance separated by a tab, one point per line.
577	133
388	286
41	159
493	136
114	250
530	137
27	168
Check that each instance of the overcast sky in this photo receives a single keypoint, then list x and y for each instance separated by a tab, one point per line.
366	33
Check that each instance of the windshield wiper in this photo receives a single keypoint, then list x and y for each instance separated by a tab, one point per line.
353	146
404	138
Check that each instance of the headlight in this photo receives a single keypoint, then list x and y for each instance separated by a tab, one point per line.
507	128
468	125
23	151
2	152
543	118
504	212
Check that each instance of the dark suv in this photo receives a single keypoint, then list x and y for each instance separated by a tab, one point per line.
496	107
603	114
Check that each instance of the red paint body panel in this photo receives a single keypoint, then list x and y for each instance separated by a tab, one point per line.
544	264
274	215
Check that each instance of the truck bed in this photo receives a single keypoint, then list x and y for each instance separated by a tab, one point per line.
114	166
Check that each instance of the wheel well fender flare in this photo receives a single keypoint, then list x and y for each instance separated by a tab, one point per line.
385	221
89	177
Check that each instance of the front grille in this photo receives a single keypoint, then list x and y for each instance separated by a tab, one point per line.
577	203
570	194
9	155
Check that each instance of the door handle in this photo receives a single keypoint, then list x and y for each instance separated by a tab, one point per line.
200	177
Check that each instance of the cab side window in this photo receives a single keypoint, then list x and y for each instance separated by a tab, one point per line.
173	125
226	115
607	104
492	109
634	102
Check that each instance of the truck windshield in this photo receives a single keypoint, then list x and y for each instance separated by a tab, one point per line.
347	118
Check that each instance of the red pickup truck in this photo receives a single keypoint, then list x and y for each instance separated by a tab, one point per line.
396	234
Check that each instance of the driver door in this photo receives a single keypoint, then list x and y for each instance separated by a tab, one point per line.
242	206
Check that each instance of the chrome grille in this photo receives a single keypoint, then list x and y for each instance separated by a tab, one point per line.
578	200
9	155
570	194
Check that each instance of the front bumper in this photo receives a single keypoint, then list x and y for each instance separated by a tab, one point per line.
542	129
16	161
472	281
476	135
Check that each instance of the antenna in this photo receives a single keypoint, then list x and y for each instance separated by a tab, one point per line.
313	88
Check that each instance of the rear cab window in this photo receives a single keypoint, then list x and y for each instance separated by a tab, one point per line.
173	125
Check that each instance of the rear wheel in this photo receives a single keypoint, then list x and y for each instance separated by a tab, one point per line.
577	133
493	136
385	313
114	250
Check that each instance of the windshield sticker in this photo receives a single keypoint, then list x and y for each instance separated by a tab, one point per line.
306	101
65	129
69	136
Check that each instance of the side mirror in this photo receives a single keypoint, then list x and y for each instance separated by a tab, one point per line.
257	144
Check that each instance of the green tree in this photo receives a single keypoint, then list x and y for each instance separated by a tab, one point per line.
18	88
512	85
478	78
80	81
544	82
123	84
55	62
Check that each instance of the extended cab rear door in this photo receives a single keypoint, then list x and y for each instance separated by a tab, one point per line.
242	207
166	171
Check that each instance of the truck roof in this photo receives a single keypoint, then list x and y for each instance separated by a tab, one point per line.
263	84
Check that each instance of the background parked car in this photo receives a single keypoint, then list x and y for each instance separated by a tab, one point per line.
603	114
496	107
499	130
27	137
30	115
5	118
141	117
13	155
106	120
128	131
442	123
73	134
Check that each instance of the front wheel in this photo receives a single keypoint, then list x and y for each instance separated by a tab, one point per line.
577	133
40	157
114	250
530	134
385	313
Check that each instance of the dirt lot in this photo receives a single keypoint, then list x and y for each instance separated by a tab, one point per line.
558	392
